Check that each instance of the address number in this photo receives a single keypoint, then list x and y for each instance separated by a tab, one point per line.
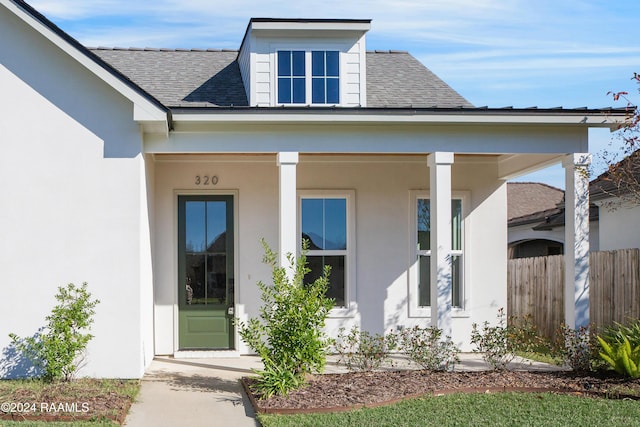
206	180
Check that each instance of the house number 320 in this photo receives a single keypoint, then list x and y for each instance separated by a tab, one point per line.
206	180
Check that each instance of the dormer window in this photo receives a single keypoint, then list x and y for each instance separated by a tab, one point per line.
294	82
291	77
325	80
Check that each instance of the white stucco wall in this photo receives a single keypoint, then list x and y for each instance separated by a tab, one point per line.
382	188
619	226
72	180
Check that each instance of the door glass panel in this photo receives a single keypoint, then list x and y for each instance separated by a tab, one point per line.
196	280
195	226
216	226
217	279
206	252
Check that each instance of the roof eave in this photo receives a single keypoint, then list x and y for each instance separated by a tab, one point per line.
146	108
606	118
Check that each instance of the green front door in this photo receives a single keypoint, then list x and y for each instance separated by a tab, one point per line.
205	272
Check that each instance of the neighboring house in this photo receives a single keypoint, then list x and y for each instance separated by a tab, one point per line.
153	174
536	220
616	193
528	204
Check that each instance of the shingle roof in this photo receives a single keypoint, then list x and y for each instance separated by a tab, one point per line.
621	179
396	79
179	78
210	78
527	199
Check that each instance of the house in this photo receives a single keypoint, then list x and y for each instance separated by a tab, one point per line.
536	219
529	203
616	192
153	174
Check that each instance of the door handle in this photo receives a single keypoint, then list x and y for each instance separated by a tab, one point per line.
230	311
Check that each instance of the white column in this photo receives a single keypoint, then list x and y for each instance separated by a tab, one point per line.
287	162
576	246
440	200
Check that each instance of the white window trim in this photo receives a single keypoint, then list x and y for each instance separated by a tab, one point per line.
307	48
425	312
350	308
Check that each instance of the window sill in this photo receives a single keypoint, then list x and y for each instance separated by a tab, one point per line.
425	313
343	312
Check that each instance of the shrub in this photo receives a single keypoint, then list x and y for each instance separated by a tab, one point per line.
362	351
425	348
621	356
288	336
577	347
493	342
58	349
523	336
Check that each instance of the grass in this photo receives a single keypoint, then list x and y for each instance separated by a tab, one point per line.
499	409
83	402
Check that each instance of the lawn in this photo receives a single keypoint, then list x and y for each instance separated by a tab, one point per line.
499	409
84	402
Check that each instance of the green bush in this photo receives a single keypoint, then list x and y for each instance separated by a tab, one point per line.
362	351
425	347
288	335
619	333
493	342
620	346
58	349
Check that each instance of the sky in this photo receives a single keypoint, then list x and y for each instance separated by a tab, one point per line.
498	53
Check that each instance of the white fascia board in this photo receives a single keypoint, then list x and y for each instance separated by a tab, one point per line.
143	108
313	26
584	120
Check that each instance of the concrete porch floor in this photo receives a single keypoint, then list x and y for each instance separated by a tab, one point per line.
206	392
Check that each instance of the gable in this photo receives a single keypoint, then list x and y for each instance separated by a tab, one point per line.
146	108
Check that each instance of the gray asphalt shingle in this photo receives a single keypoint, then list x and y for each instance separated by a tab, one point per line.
183	78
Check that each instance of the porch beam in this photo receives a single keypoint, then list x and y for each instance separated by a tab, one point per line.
576	292
287	242
440	199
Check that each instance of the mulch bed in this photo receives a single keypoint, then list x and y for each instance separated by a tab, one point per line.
339	392
57	402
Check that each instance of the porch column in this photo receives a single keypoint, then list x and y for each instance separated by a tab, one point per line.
287	217
440	224
576	246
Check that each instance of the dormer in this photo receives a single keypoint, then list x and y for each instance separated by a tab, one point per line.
305	62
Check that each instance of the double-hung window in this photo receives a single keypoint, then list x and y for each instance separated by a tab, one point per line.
422	277
325	77
325	225
308	77
291	77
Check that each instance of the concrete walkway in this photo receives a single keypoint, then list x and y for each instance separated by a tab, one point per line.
194	392
206	392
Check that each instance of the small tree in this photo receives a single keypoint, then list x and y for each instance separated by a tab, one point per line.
288	335
622	178
58	349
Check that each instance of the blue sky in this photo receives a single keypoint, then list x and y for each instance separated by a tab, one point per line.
498	53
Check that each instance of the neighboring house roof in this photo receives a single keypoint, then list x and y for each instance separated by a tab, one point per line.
531	201
539	204
620	179
211	78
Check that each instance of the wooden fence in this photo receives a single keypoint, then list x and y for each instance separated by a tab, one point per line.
536	288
